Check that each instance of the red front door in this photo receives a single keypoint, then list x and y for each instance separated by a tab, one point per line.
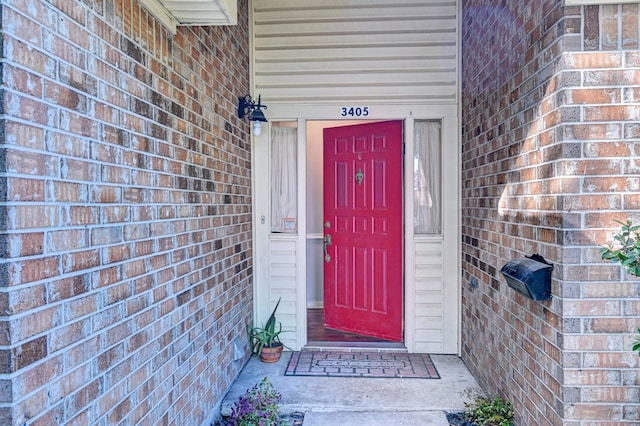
363	229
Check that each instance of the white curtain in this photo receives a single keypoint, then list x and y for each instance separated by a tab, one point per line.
284	184
427	188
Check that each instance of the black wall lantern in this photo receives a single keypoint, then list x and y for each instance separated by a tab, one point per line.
247	106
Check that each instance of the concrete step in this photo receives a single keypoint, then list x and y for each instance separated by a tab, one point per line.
397	418
362	397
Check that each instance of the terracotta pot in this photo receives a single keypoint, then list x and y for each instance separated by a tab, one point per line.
271	354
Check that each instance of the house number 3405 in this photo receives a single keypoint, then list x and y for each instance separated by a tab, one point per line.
354	111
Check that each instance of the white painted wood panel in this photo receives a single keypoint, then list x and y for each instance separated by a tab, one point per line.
428	276
355	50
283	278
346	65
340	16
428	52
357	40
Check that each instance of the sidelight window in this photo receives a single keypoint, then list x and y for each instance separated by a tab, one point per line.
284	183
427	177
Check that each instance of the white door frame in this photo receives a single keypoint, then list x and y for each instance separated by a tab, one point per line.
292	312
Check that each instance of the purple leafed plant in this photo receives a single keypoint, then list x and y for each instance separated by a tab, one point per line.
258	406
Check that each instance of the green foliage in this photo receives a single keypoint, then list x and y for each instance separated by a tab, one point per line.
258	406
265	336
485	411
627	250
636	344
626	253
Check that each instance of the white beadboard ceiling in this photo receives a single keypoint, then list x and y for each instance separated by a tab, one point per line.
193	12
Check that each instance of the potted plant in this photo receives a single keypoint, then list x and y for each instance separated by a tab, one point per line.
265	340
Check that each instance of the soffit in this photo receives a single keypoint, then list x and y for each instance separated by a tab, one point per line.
193	12
203	12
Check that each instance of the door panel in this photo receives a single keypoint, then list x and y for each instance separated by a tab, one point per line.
363	211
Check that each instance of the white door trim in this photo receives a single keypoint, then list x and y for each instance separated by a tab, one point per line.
297	322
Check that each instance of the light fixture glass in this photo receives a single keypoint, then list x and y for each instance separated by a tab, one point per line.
257	128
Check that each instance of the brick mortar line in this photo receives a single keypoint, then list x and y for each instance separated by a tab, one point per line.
130	279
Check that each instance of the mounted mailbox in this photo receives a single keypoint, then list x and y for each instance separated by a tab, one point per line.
530	276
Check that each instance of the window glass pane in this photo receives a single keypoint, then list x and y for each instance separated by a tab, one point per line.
427	175
284	181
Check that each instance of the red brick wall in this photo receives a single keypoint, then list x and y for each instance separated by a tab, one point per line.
127	261
601	307
549	158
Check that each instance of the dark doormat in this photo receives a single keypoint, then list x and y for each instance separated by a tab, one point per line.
361	364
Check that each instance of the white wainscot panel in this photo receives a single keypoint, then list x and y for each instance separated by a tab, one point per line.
283	276
428	297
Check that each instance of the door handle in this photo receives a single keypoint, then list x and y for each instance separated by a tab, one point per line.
326	243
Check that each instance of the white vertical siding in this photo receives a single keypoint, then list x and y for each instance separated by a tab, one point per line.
374	50
429	300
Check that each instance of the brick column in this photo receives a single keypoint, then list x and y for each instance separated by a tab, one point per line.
549	148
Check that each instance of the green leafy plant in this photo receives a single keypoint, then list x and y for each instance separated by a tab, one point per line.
265	336
626	253
627	250
484	411
258	406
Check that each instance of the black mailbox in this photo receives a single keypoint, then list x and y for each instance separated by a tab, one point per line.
530	276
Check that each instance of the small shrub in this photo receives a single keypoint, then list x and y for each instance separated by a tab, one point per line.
485	411
258	406
627	252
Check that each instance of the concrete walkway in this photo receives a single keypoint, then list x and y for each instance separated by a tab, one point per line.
364	401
